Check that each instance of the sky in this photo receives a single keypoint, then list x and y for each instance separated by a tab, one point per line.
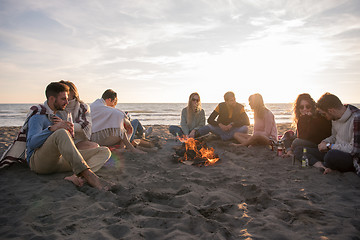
163	50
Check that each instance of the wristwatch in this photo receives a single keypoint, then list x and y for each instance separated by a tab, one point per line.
328	146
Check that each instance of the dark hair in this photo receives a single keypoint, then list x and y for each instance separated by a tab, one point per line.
54	88
109	94
327	101
296	110
228	95
72	88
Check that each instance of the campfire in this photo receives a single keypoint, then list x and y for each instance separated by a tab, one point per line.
194	152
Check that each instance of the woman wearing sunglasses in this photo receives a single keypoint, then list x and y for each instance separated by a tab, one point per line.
311	128
192	118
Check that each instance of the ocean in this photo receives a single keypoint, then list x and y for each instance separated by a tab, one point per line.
148	113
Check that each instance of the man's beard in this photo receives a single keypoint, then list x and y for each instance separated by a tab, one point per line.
58	107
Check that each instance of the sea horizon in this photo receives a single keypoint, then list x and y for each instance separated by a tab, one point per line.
13	114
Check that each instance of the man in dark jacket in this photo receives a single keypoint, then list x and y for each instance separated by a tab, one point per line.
228	118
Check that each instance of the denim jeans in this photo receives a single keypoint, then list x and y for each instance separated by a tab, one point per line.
176	130
339	160
225	135
138	129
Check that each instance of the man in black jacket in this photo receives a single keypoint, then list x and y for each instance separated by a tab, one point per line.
228	118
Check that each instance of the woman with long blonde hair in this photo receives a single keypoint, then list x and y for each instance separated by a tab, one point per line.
264	124
192	118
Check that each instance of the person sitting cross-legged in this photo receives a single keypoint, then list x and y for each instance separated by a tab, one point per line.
264	124
228	118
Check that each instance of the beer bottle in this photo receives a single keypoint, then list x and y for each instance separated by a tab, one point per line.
304	159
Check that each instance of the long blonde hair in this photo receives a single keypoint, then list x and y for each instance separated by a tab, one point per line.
190	109
258	105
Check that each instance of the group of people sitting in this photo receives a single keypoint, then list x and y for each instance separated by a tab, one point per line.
65	134
229	121
328	129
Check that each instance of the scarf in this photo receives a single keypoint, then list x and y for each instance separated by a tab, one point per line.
16	151
80	113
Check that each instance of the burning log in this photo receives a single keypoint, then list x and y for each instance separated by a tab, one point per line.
194	152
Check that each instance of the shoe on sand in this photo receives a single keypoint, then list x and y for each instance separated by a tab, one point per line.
148	132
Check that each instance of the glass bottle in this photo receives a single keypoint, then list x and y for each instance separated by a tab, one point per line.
304	159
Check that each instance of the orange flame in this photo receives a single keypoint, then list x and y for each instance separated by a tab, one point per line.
205	153
183	139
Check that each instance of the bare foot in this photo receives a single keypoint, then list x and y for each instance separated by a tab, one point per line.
135	142
288	154
91	178
319	165
327	170
106	185
78	181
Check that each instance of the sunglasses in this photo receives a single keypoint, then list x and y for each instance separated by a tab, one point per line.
195	99
304	106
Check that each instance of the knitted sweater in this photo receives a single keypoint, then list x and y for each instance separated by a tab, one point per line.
342	136
266	126
198	121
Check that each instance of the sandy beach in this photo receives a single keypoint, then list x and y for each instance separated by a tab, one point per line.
249	194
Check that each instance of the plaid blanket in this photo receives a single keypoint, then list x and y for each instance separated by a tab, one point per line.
80	112
16	151
84	119
356	150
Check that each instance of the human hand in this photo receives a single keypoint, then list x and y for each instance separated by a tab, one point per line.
55	119
222	126
225	128
63	124
192	134
322	147
228	127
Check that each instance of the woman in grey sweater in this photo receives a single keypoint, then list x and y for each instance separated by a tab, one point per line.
192	118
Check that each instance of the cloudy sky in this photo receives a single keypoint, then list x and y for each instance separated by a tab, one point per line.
161	51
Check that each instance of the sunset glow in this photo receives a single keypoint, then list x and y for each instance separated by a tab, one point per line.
161	51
